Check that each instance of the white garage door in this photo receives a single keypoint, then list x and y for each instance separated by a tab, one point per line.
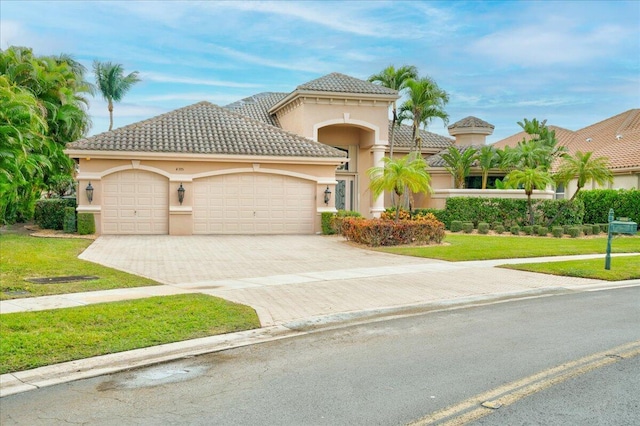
135	202
253	203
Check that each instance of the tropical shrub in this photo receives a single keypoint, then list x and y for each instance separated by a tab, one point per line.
557	231
575	231
499	229
325	222
380	232
515	229
596	229
587	229
49	212
467	227
336	220
543	231
495	224
527	229
456	226
597	202
534	229
483	228
86	224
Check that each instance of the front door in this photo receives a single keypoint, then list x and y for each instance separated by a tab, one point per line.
345	193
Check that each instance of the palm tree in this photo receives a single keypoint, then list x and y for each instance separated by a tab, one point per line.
487	159
397	175
395	79
530	179
426	102
459	163
112	83
584	168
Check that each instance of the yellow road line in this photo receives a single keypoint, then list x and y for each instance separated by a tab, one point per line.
459	414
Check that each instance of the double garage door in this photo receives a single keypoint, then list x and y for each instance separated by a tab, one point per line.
253	203
137	202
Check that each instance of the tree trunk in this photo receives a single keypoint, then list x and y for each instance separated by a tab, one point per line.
530	209
110	115
485	177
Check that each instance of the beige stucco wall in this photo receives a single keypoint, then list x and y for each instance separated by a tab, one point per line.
630	180
185	171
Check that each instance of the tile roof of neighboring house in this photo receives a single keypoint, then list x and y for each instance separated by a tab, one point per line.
404	138
257	106
617	138
470	122
437	161
336	82
204	128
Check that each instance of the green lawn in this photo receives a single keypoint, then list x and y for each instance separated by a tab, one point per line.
622	268
458	247
22	256
34	339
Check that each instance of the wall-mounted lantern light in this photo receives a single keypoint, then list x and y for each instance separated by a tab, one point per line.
89	190
181	194
327	195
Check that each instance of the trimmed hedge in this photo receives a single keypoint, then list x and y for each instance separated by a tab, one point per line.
483	228
515	229
511	212
86	224
335	223
467	227
575	231
597	202
557	231
543	231
527	229
384	232
499	229
325	222
456	225
49	212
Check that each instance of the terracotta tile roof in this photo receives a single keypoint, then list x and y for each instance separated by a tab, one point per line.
470	122
617	138
336	82
404	138
257	106
204	128
437	161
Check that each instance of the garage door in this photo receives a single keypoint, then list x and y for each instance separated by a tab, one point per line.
253	203
135	202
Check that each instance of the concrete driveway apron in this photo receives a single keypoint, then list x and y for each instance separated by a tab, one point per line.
288	278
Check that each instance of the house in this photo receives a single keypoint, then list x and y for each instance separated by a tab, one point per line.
268	164
617	138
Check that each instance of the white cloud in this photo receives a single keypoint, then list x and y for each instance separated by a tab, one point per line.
163	78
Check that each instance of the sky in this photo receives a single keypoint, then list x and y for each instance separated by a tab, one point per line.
572	63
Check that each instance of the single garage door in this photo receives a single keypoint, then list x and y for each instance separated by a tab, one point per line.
135	202
253	203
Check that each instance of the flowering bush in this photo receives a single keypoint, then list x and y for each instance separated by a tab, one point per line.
384	232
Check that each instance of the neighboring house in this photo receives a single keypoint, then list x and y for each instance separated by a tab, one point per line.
262	165
617	138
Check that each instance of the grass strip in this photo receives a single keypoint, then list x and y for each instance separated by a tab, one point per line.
622	268
484	247
23	256
35	339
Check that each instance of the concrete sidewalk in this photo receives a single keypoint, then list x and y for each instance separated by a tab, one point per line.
289	280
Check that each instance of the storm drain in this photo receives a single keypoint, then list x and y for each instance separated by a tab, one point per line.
57	280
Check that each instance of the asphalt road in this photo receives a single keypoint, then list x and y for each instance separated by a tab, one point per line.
389	372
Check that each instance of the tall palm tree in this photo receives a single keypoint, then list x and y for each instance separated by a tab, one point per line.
112	83
459	163
530	179
584	168
398	175
487	159
426	102
395	79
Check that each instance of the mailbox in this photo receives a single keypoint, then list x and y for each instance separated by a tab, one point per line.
622	227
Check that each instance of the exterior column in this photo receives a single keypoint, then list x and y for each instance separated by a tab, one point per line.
377	205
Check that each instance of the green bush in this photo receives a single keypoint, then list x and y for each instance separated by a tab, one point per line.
597	202
604	227
499	229
587	229
69	220
440	214
456	225
49	212
527	229
557	231
483	228
515	230
325	221
596	229
494	225
543	231
575	231
534	229
86	224
565	229
467	227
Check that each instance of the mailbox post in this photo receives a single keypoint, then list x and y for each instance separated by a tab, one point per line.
617	227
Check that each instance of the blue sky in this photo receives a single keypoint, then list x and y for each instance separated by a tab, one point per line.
570	62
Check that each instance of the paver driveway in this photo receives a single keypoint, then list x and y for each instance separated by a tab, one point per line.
288	278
